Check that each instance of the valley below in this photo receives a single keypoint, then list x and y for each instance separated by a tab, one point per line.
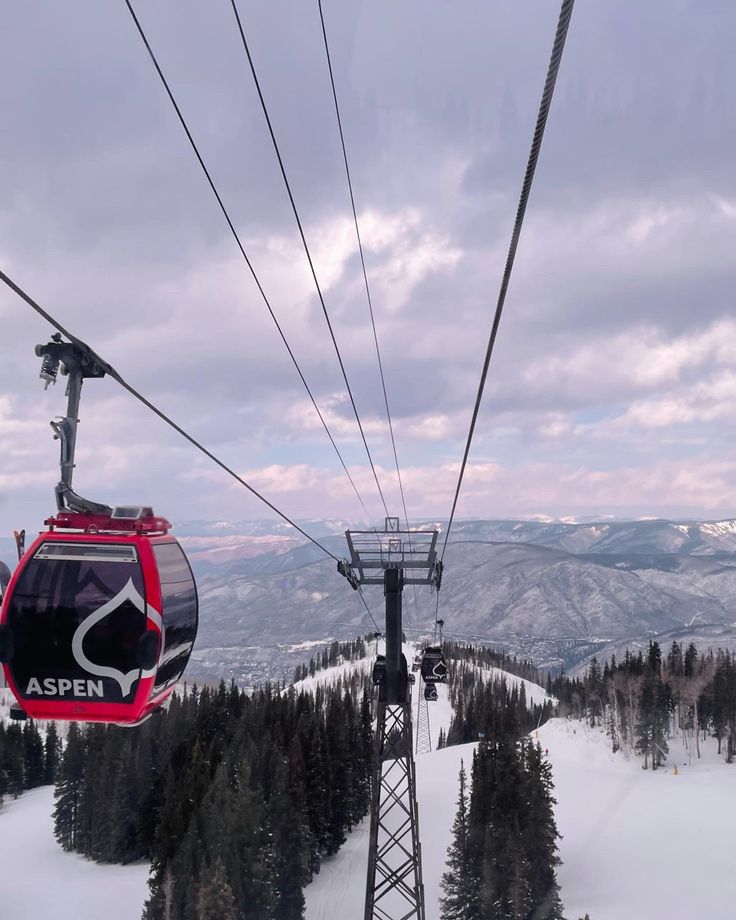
553	592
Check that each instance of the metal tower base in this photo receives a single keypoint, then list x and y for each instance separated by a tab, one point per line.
394	889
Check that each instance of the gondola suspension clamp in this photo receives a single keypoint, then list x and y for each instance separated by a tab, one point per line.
345	569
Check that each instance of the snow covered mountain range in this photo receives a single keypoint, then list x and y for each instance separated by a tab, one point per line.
554	591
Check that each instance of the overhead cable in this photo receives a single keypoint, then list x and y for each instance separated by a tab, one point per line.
365	272
241	247
549	87
365	604
162	415
306	248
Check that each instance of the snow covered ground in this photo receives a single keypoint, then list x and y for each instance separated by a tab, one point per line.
330	676
40	880
636	844
6	698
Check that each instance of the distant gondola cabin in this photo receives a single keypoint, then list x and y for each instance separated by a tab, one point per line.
434	666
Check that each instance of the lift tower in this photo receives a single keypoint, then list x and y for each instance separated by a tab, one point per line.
393	558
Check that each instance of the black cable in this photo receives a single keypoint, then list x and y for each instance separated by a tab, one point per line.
549	86
306	248
365	274
149	405
239	243
362	259
365	604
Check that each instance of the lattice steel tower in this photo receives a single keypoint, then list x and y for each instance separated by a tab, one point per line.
424	734
393	558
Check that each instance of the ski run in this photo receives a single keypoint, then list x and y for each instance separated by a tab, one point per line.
635	844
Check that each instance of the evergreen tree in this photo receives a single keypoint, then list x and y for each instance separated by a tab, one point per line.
458	891
215	899
540	833
33	761
286	831
68	790
13	761
594	691
519	899
51	754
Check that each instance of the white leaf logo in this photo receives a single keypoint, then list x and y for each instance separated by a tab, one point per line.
127	593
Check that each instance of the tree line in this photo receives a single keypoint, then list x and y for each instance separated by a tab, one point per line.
332	655
235	798
485	657
486	706
503	858
646	698
27	759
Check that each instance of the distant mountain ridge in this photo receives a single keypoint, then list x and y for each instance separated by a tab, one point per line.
626	537
549	590
222	541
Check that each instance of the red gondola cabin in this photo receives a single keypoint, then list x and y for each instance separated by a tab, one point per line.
99	618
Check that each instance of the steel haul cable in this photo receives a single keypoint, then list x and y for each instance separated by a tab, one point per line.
241	247
365	604
549	87
365	275
306	249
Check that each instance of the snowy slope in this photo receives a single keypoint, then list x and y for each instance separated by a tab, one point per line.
341	882
41	880
534	693
329	676
440	710
636	844
6	698
342	879
339	889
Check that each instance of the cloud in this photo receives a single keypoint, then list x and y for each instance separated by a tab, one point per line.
617	350
707	401
492	489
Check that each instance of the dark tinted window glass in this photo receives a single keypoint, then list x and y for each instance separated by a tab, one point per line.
82	552
4	578
55	598
179	599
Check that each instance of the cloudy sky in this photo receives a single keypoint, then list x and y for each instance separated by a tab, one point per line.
613	386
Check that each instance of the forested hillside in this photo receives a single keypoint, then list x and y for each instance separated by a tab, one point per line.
27	758
503	856
645	699
504	852
234	799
